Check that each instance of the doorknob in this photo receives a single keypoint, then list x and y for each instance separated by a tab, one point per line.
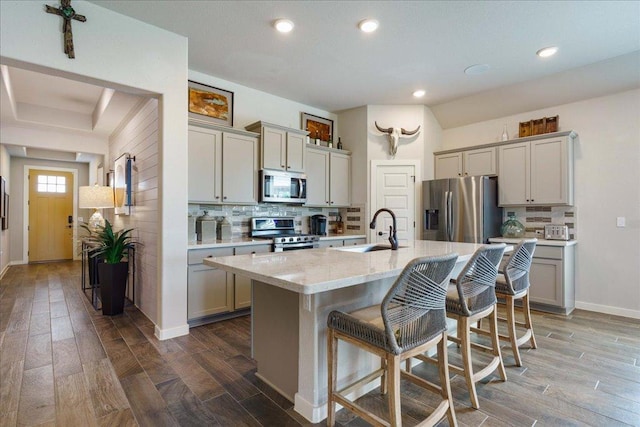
380	233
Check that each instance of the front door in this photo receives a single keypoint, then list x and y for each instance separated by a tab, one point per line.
395	190
50	215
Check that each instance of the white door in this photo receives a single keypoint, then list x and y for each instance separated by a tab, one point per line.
394	188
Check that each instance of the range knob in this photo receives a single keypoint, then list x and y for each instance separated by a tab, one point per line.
291	239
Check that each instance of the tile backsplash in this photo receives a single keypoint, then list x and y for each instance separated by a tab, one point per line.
240	216
534	218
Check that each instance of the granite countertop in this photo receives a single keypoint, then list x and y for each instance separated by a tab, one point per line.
541	242
318	270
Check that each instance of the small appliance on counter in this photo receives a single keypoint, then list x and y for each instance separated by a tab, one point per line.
318	225
206	227
556	232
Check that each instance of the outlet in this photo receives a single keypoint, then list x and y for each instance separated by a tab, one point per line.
621	221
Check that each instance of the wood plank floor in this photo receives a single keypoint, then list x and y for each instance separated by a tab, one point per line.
62	363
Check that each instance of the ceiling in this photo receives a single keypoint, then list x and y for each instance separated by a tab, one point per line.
326	62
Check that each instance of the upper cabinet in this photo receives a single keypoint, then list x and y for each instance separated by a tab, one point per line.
536	172
480	161
223	165
281	148
328	177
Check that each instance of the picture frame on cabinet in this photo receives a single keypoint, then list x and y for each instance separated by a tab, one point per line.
210	104
314	124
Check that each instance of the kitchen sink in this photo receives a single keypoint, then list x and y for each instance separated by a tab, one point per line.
363	249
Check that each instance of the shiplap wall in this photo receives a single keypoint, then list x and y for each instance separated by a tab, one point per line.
139	138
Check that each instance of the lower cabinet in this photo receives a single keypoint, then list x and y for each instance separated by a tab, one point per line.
213	292
242	294
336	243
210	290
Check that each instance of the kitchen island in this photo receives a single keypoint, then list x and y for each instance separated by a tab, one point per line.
293	293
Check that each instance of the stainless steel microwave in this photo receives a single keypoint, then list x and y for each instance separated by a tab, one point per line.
282	187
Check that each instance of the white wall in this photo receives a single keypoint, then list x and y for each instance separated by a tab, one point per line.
607	185
116	51
140	138
251	105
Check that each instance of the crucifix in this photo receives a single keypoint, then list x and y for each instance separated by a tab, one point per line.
67	13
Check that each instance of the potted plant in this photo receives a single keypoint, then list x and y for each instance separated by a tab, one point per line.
111	248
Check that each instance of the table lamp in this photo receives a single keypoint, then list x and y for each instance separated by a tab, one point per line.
95	197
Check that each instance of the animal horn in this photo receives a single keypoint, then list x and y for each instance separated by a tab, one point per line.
388	130
406	132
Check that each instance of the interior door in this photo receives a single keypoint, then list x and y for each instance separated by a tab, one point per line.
395	190
50	215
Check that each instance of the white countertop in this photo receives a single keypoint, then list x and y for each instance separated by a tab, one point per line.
246	241
541	242
318	270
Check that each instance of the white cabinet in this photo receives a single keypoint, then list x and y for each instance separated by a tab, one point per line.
281	148
242	288
223	166
336	243
354	242
328	177
480	161
209	289
536	172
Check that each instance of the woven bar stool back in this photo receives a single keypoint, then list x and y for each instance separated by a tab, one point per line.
410	320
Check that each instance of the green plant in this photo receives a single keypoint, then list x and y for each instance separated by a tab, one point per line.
111	246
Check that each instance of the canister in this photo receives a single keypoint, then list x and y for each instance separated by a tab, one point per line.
224	229
206	227
191	228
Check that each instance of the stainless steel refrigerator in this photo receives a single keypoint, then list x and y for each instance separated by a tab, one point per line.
461	209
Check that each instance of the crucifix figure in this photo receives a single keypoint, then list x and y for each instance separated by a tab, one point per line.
67	13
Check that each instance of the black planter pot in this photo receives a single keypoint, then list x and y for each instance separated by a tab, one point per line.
113	284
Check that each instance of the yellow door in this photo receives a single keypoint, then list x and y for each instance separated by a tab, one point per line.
50	215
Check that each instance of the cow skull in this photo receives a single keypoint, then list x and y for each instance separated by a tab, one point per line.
393	134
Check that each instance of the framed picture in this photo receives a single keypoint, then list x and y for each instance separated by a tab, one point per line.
210	104
122	184
323	127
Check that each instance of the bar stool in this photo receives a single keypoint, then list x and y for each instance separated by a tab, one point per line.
513	285
470	298
410	320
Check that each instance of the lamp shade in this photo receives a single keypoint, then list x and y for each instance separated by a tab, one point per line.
95	196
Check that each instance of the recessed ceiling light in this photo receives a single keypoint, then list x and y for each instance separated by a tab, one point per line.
283	25
476	69
546	52
368	25
419	93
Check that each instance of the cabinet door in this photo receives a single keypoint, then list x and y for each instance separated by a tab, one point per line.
546	282
242	291
549	172
274	147
317	171
480	162
448	165
513	181
240	169
295	152
204	164
210	291
339	179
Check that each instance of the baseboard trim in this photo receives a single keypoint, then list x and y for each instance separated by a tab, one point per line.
165	334
606	309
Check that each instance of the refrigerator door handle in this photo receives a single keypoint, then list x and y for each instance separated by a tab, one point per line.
450	216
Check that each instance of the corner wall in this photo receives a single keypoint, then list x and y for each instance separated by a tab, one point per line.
607	185
5	252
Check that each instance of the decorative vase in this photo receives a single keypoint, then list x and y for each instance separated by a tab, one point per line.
512	228
113	285
505	134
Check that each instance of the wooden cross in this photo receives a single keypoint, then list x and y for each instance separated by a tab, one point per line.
67	13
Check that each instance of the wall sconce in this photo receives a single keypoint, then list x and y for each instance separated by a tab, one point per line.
95	197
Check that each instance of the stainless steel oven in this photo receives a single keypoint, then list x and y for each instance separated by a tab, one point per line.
283	234
282	187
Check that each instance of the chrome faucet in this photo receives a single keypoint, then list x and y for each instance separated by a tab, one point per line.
393	237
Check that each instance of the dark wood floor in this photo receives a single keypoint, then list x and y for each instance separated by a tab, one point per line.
62	363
